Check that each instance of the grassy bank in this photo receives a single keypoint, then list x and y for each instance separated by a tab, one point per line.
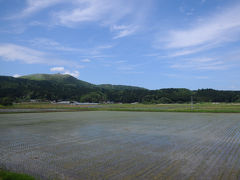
48	107
7	175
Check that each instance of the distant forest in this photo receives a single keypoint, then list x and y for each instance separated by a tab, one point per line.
58	87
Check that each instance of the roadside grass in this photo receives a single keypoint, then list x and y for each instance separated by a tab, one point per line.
7	175
200	107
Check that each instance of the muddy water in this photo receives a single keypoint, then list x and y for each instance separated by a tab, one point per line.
121	145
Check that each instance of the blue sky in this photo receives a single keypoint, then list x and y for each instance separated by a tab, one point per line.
153	44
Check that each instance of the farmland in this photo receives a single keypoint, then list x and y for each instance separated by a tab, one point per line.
49	107
121	145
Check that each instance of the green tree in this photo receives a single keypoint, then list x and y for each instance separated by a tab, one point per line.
93	97
164	100
6	101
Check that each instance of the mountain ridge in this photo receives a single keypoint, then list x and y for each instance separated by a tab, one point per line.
66	77
55	87
60	78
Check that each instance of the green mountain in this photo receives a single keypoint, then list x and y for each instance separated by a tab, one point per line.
50	77
67	79
119	87
58	78
65	87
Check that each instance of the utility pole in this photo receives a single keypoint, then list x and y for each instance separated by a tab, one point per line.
191	102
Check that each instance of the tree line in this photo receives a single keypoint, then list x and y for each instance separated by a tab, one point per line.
19	89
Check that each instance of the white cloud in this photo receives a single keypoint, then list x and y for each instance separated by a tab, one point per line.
105	11
51	44
123	30
202	77
222	27
86	60
182	76
96	51
62	70
34	6
188	51
125	68
218	30
78	11
226	61
201	64
120	62
12	52
48	44
16	75
74	73
57	69
186	11
106	46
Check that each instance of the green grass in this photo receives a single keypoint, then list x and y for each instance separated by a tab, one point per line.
204	107
7	175
201	107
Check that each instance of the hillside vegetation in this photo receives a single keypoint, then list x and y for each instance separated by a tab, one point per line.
56	87
7	175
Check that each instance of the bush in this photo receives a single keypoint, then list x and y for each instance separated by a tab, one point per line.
6	101
237	101
164	100
93	97
6	175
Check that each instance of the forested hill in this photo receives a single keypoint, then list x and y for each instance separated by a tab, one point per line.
65	87
58	78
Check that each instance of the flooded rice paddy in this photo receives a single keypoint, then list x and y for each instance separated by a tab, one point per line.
121	145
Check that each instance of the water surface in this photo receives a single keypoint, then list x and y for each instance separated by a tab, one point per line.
121	145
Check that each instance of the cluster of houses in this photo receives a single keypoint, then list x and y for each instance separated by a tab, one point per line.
73	103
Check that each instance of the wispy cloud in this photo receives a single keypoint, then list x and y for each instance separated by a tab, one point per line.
227	60
73	73
120	62
210	32
181	76
57	69
188	51
34	6
106	46
106	13
86	60
186	11
215	31
201	77
97	51
204	63
52	45
126	68
62	70
90	52
16	75
123	30
221	27
13	52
